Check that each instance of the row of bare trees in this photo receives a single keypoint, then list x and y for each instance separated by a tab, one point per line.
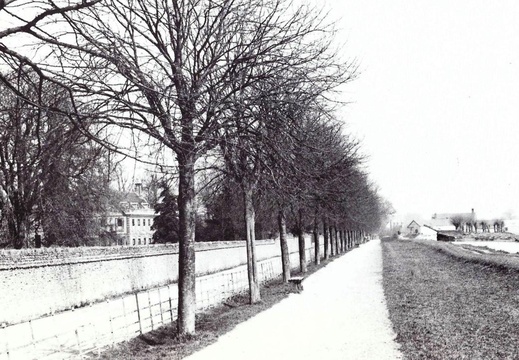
245	85
470	224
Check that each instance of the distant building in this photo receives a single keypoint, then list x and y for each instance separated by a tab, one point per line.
440	224
428	233
448	216
447	221
131	219
421	232
413	228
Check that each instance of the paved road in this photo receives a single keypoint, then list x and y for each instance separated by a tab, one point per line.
341	314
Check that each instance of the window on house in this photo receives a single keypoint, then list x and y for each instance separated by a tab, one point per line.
133	241
149	222
138	222
144	241
133	222
120	222
139	241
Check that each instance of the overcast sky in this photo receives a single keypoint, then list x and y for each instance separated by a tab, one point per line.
437	102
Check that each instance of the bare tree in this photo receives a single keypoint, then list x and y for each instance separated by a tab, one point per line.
484	226
171	70
458	221
499	225
32	19
285	255
46	164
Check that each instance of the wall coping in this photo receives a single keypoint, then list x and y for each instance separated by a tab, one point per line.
11	259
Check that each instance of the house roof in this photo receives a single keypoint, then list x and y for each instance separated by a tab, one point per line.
448	216
411	224
439	222
427	226
133	198
128	201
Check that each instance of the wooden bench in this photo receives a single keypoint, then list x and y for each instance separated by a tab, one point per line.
297	281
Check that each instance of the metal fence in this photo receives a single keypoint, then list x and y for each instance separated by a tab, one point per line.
86	331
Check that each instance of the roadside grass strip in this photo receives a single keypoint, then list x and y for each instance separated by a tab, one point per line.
164	343
449	302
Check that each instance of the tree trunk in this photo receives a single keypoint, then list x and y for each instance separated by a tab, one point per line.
252	269
285	255
332	246
336	237
325	235
317	249
341	237
301	241
16	228
186	258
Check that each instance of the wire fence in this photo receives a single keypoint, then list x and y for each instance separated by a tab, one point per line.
86	331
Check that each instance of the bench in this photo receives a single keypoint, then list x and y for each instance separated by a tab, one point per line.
297	281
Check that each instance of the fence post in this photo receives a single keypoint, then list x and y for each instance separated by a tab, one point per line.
151	312
78	344
170	305
232	282
125	321
110	320
223	293
138	311
60	344
32	336
6	343
160	307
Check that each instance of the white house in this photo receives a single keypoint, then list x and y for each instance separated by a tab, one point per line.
421	232
132	220
413	228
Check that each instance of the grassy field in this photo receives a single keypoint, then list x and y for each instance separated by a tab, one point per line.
447	302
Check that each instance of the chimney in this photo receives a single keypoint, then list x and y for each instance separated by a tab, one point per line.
138	188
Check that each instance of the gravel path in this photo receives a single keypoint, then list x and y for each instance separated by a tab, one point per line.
341	314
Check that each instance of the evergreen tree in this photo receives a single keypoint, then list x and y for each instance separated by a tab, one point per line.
165	223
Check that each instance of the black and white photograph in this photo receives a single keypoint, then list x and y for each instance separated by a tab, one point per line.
259	179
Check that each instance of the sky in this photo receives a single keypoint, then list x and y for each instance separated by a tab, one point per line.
435	104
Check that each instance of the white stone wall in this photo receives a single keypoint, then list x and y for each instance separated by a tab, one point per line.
38	282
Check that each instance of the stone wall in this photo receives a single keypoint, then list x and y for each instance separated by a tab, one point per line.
36	282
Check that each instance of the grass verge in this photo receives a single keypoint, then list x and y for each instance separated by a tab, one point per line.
164	342
447	302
